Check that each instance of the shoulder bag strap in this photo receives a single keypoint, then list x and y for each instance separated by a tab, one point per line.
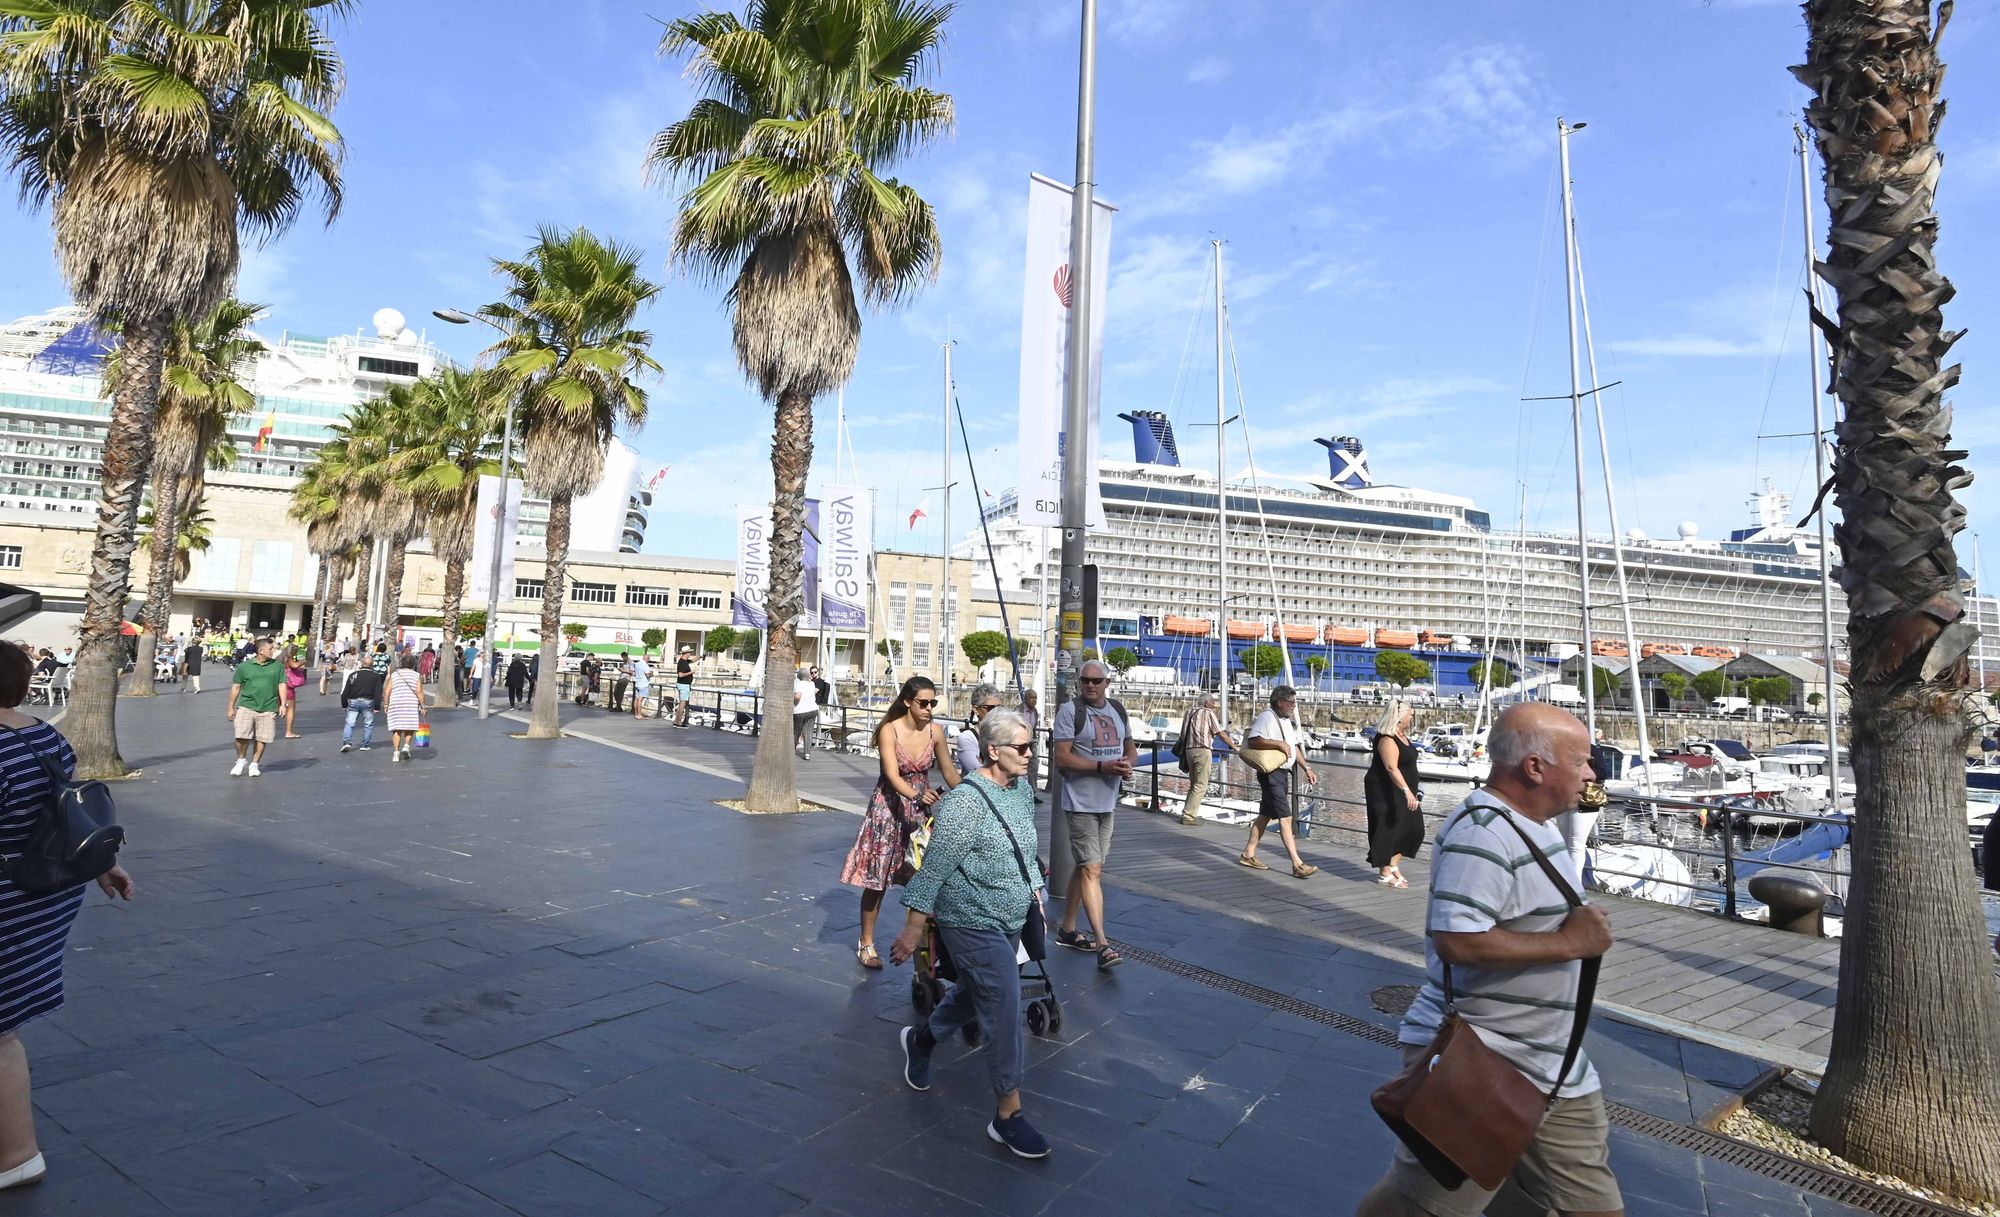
56	779
1020	859
1449	1004
1586	981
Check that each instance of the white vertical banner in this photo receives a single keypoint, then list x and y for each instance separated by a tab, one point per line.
753	565
489	522
846	528
1045	309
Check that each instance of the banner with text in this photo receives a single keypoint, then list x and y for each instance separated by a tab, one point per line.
489	522
1045	314
846	521
753	565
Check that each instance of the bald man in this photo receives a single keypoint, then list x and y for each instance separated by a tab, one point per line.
1514	941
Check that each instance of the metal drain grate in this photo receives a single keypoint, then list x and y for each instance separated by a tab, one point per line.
1857	1193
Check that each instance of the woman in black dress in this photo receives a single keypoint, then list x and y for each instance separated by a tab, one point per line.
1395	821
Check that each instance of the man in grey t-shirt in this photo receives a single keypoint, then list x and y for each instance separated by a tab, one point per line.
1095	751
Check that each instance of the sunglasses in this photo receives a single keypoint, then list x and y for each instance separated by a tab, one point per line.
989	707
1092	680
1027	749
925	702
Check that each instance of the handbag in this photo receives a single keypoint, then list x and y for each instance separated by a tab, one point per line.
1264	760
1465	1111
1181	743
74	837
1035	929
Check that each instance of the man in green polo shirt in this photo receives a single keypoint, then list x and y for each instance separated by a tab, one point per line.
253	706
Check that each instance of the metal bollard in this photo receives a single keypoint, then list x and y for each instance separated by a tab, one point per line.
1797	905
1155	763
1728	866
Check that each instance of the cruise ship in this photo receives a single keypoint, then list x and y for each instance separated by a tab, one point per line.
1350	564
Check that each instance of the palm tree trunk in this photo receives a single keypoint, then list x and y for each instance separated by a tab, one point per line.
164	546
773	779
1912	1086
545	716
329	628
454	599
91	724
392	588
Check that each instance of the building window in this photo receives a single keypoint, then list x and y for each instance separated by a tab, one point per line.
527	589
699	598
920	655
271	567
899	606
655	597
920	619
593	593
10	557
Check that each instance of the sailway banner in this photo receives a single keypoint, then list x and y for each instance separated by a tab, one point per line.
488	523
846	528
1045	309
753	565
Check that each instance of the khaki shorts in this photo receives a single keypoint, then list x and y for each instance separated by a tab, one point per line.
1089	837
261	726
1568	1168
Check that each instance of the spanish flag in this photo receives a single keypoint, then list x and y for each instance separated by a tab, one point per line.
264	432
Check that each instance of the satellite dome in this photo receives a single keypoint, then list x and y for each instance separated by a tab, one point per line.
1635	534
1688	530
408	338
388	323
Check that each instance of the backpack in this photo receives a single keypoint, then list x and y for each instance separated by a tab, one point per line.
1181	743
74	837
1124	720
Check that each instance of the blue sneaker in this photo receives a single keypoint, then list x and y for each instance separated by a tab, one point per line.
1018	1135
917	1045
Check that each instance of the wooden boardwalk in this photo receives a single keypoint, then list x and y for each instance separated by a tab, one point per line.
1736	985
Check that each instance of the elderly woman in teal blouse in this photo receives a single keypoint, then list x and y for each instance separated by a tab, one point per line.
978	883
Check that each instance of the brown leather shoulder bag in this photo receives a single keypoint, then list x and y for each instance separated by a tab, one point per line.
1463	1109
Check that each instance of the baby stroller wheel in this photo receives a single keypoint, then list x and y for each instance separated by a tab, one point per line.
1055	1016
921	996
1038	1019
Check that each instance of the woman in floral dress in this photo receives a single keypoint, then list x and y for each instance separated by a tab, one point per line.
909	742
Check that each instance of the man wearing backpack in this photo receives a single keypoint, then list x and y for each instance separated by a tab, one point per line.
360	697
1095	751
1196	749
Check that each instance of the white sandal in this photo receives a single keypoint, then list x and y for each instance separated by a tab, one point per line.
28	1172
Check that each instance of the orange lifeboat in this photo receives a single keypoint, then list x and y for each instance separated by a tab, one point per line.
1432	640
1346	636
1300	633
1604	646
1187	627
1650	649
1244	630
1723	654
1402	640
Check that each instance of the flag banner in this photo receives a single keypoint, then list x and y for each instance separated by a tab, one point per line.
753	565
847	518
491	523
809	565
1045	311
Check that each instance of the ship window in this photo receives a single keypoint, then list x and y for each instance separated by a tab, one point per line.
390	367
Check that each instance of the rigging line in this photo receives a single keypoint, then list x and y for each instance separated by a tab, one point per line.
1257	496
1523	431
1776	358
1187	344
992	561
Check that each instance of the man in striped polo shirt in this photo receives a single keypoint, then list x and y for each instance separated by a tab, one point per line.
1515	948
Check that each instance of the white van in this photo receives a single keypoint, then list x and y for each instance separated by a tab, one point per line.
1730	707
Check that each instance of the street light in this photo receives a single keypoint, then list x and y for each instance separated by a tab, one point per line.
457	317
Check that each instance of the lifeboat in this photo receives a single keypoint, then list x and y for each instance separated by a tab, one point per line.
1300	633
1433	641
1245	630
1724	654
1604	646
1187	627
1648	650
1402	640
1347	636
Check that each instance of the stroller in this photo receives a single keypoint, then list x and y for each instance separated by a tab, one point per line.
932	970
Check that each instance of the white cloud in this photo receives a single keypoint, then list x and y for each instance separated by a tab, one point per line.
1208	70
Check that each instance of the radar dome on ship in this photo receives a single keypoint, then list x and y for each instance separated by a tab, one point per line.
389	323
1689	529
1635	534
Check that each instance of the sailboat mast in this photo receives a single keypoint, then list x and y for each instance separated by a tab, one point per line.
1813	364
1221	504
1589	681
944	543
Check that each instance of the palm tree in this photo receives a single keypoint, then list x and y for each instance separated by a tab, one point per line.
451	434
1912	1085
153	128
199	397
807	101
335	514
193	536
379	429
570	352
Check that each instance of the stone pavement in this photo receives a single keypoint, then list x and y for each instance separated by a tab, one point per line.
555	978
1735	985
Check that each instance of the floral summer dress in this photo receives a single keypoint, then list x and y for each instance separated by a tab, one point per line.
885	829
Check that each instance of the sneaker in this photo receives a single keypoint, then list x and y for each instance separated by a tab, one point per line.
254	771
365	747
347	747
236	770
395	755
1018	1135
406	754
917	1045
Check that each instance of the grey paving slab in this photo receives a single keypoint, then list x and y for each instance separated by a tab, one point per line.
496	982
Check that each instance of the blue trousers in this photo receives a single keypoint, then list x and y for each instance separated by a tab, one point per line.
989	989
363	708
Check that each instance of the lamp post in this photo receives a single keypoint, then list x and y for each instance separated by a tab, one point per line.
456	317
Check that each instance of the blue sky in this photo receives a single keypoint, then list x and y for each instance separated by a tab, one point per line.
1383	175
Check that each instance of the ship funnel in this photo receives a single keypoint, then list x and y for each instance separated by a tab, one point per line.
1348	462
1152	438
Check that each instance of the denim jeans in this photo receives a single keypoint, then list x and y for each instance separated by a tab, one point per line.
363	708
988	988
